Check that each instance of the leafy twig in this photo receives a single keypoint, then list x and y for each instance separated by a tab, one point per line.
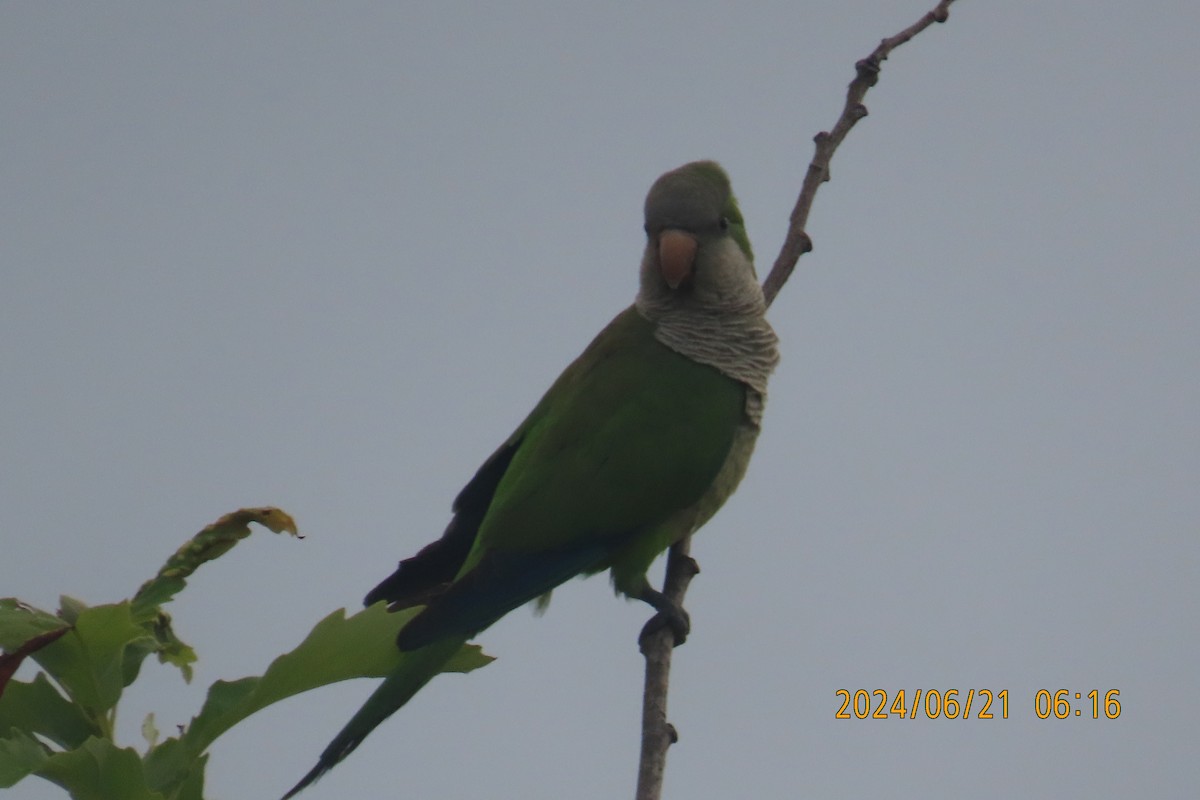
658	734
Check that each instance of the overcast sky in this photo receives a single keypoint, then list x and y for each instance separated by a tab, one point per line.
327	257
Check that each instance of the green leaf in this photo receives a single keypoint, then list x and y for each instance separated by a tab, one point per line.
20	755
337	649
10	662
19	623
163	643
212	542
89	662
168	765
39	708
149	730
69	608
171	649
99	770
192	785
154	593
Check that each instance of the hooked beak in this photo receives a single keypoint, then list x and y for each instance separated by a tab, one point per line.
676	256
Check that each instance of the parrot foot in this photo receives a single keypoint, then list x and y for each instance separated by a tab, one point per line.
670	615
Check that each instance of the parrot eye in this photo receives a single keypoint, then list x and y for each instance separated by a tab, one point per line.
724	223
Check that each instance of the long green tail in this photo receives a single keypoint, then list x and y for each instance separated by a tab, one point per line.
397	689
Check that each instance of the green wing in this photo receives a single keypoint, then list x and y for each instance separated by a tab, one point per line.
631	434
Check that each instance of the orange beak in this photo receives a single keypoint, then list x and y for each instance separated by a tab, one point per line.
676	256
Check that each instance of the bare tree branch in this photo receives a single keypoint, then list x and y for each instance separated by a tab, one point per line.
797	241
658	734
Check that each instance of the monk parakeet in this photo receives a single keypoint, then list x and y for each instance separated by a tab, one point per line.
636	445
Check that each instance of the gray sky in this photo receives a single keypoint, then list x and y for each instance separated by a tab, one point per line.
326	258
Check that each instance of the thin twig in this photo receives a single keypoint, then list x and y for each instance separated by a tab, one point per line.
797	241
658	734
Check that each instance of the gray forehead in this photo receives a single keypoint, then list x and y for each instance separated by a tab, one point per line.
690	195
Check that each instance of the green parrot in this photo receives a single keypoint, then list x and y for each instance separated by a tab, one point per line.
635	446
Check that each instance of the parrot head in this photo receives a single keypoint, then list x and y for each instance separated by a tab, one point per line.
697	252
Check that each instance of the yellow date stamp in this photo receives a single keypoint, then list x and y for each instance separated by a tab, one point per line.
973	704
